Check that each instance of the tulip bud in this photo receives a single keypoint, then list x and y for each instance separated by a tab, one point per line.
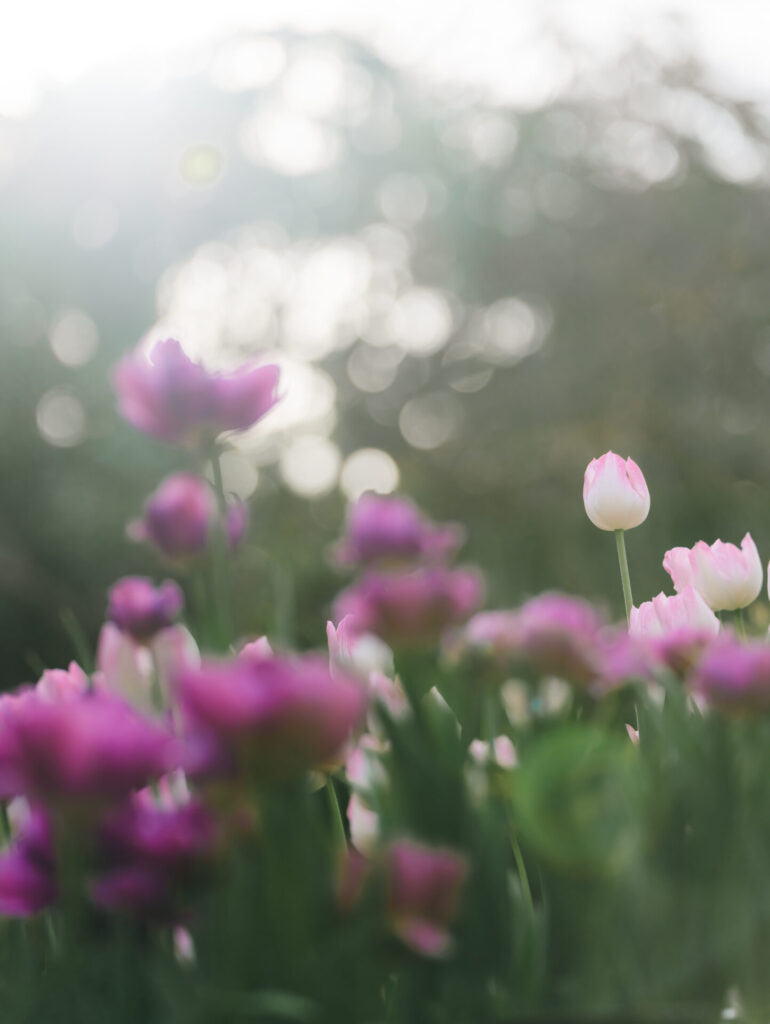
615	493
140	609
180	515
725	576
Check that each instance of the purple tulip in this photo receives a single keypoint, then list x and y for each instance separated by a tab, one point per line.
681	649
27	877
274	717
164	393
734	676
412	607
91	747
179	516
172	837
424	885
141	609
391	530
26	886
140	890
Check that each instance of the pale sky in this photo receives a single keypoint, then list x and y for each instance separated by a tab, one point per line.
492	44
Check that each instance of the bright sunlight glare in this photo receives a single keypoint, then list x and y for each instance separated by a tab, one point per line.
488	44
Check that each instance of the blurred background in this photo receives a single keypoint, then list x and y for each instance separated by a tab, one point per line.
485	242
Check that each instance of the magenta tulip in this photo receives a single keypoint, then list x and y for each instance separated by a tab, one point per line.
179	517
141	609
412	607
273	717
384	530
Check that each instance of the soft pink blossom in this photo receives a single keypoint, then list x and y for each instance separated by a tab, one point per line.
615	493
164	393
726	577
60	683
665	615
130	670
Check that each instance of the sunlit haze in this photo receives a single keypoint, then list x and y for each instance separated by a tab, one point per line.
493	44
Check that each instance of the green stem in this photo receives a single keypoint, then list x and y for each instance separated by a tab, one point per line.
220	556
741	624
625	579
523	876
339	838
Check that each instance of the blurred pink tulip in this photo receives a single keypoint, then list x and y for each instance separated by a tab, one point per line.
412	607
164	393
424	888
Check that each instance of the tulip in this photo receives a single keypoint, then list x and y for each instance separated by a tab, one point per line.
61	684
553	634
26	886
274	718
354	653
622	658
179	517
140	672
500	751
557	634
256	650
411	607
391	530
423	885
665	615
164	393
161	836
92	747
615	493
734	676
142	610
616	498
725	576
681	649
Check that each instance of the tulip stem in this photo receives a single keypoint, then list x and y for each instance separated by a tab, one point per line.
625	579
339	838
220	554
741	624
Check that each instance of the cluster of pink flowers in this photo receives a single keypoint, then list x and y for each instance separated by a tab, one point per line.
129	764
407	595
683	629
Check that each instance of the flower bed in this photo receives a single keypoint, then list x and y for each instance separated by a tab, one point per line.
453	814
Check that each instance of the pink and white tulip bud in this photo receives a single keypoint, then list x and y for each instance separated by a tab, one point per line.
725	576
665	615
615	493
